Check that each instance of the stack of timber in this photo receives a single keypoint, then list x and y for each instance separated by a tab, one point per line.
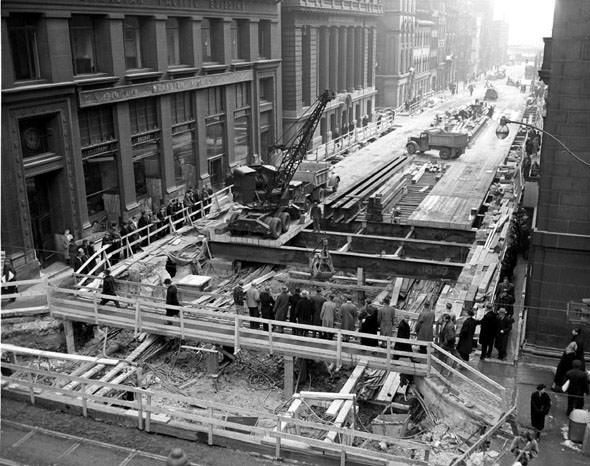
384	196
345	206
409	198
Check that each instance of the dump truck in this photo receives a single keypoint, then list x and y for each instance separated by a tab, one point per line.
449	145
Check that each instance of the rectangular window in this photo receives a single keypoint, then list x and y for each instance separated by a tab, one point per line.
173	41
239	39
132	42
266	90
182	107
242	134
215	104
82	33
264	45
96	125
242	95
144	115
184	166
22	30
206	40
215	137
100	178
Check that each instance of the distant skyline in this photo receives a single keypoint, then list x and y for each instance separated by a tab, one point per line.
529	20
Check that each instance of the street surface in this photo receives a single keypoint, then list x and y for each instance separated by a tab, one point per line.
477	166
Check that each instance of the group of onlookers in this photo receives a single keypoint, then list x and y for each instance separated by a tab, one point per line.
305	308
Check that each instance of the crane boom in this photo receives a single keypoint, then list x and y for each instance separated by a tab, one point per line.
294	154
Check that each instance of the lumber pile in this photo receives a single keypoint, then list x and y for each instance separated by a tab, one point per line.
384	196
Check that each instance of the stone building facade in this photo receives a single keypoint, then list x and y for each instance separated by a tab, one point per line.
329	45
414	51
110	108
560	251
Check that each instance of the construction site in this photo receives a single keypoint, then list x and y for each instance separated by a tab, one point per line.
416	220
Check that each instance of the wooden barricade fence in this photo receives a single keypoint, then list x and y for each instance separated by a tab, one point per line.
186	216
199	415
224	328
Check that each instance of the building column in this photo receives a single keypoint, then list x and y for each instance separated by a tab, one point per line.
364	54
166	147
343	59
358	73
126	175
371	60
57	56
313	63
350	72
7	66
156	57
227	44
292	66
323	59
333	68
109	54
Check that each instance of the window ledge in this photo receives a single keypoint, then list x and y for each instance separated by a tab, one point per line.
96	78
142	74
182	69
214	66
241	64
30	82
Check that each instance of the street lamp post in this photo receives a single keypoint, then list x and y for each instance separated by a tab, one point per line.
502	132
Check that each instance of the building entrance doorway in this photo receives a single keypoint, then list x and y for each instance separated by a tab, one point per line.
39	195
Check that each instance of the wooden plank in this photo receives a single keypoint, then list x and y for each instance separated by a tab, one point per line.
397	286
347	388
390	387
342	417
54	355
23	312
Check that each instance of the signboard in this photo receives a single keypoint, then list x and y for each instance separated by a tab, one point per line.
138	91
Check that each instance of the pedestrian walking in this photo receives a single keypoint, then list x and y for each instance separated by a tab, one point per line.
465	345
564	365
304	311
328	315
239	296
504	326
318	302
487	333
253	303
171	299
281	307
108	288
349	313
448	334
576	386
316	216
424	326
540	407
267	304
386	317
403	331
578	338
369	325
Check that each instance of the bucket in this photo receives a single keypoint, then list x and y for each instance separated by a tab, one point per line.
578	420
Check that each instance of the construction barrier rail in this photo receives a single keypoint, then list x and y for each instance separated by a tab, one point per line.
149	409
187	216
39	295
235	330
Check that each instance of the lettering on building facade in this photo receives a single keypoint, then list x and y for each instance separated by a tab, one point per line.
137	91
237	5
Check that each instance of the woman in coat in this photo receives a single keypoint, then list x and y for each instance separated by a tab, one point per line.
564	365
424	330
267	304
328	315
370	324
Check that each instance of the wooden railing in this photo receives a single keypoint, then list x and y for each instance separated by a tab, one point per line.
149	233
19	309
199	415
224	328
446	365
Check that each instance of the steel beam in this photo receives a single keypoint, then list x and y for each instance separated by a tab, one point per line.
385	245
375	265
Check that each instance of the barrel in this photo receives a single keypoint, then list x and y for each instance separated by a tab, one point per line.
578	420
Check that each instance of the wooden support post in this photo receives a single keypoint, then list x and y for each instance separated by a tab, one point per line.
213	368
237	334
289	380
84	400
338	350
210	434
278	447
428	358
69	333
360	279
148	413
139	411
